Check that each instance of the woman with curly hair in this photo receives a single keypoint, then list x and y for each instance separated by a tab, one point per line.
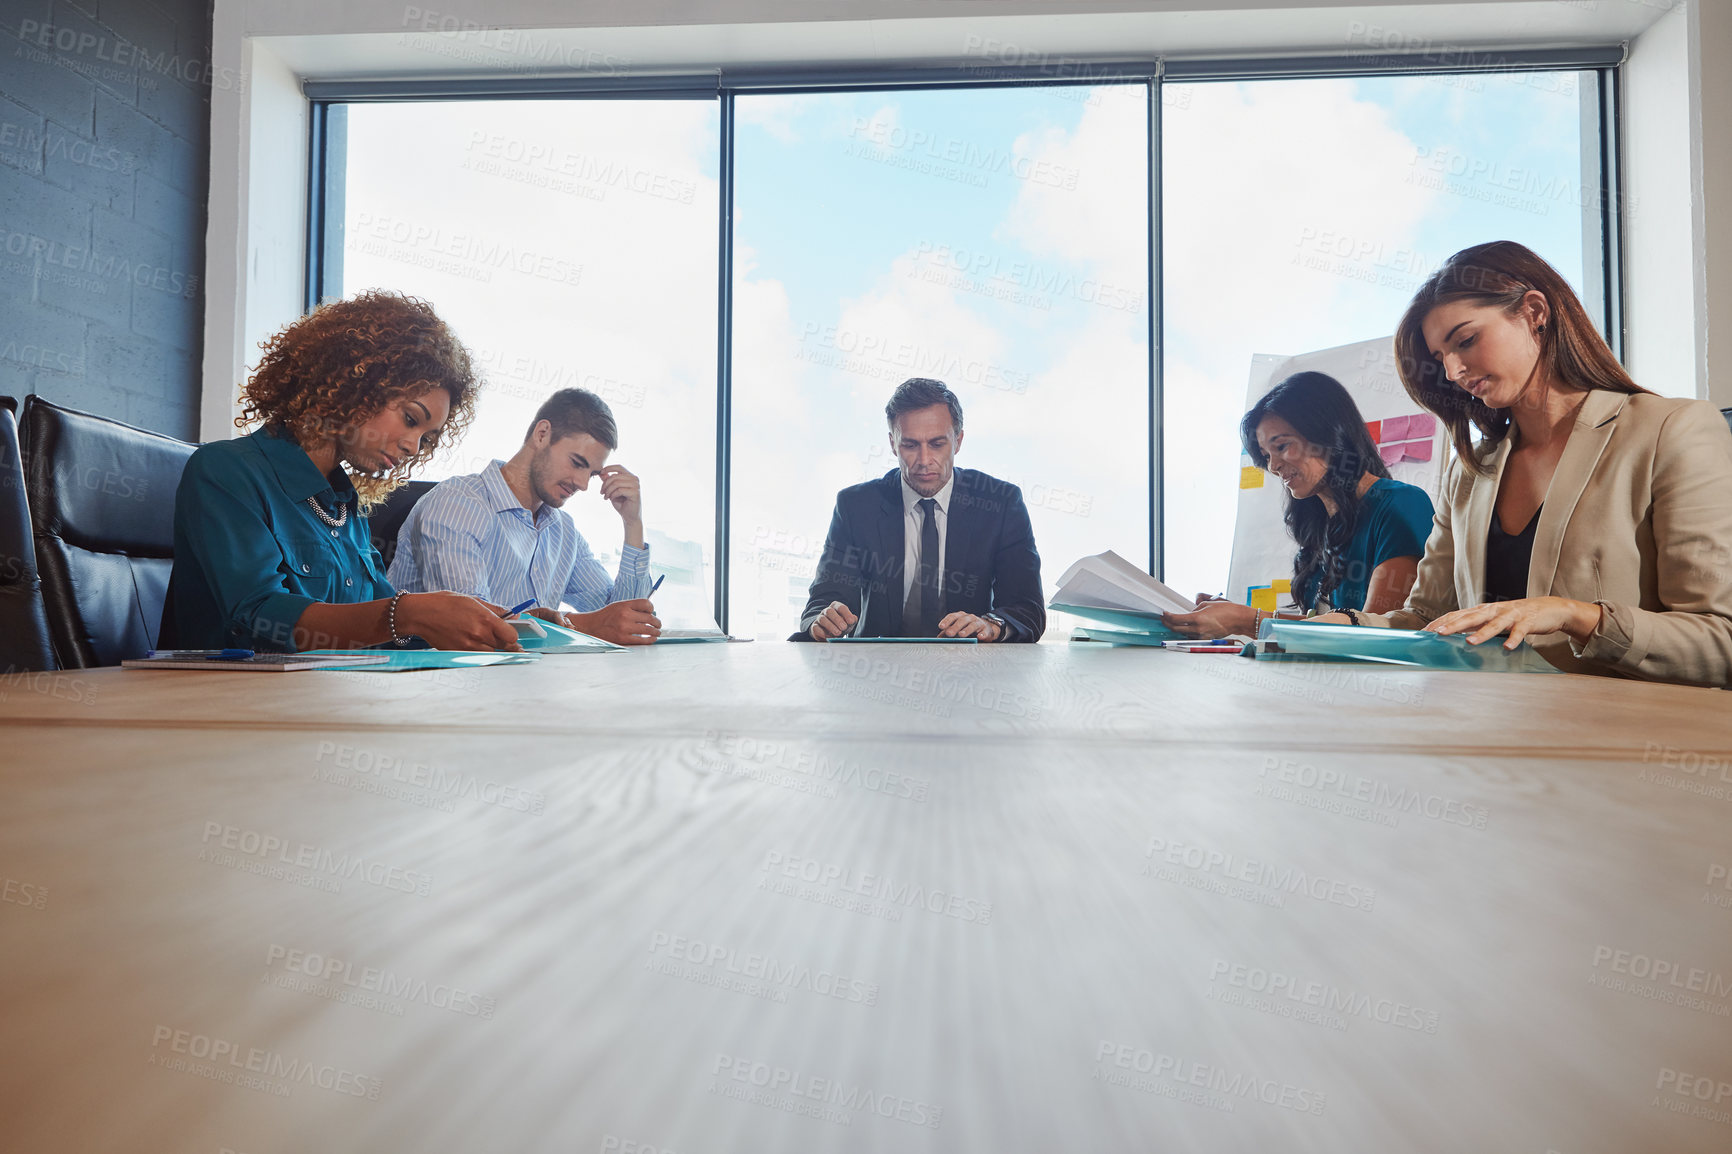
271	550
1582	512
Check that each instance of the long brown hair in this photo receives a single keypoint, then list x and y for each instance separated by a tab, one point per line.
343	363
1500	274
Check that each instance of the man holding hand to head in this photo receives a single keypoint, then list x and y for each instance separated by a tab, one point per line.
502	535
927	550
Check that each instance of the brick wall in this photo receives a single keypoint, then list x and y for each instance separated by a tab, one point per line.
104	154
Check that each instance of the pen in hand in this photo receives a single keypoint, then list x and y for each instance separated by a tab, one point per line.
518	609
658	584
860	621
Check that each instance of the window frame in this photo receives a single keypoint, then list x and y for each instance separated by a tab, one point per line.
327	136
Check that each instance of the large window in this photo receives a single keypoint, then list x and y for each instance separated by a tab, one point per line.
996	240
1302	214
994	236
568	243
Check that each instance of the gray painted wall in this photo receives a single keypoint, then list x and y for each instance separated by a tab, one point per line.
104	155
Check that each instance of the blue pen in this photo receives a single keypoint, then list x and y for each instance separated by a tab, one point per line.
520	608
231	655
658	584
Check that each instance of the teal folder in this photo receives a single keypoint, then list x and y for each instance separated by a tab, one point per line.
1118	637
1130	620
559	639
1411	647
405	660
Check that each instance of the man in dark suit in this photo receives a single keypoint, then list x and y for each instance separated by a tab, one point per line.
931	550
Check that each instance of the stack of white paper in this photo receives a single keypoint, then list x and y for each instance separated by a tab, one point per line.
1108	581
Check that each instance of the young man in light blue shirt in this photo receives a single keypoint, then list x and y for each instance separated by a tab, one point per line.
501	534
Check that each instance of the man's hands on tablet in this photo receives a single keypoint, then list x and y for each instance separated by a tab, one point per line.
961	624
836	620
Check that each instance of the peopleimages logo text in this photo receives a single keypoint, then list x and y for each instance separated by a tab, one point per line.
251	843
1370	791
373	980
833	1092
877	887
265	1063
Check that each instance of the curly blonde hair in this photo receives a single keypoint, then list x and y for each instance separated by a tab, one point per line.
345	362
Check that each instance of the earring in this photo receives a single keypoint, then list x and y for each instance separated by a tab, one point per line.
1541	330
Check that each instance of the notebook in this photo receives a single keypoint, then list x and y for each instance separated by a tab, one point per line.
692	636
408	660
206	660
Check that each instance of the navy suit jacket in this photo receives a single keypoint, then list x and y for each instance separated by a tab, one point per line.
990	563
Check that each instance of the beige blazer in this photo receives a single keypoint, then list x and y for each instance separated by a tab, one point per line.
1638	518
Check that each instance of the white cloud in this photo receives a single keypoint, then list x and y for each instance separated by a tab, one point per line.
1078	185
1263	181
1260	176
608	210
774	114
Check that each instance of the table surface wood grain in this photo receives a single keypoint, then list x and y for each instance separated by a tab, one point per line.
777	897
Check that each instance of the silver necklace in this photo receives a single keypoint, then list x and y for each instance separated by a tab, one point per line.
333	522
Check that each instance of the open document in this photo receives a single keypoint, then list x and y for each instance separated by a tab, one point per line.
1108	589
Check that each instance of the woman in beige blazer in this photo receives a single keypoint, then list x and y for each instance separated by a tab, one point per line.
1614	503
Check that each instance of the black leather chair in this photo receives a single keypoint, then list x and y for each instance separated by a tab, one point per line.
10	404
24	643
102	502
386	521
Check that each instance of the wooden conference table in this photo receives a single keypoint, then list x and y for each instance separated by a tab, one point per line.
773	897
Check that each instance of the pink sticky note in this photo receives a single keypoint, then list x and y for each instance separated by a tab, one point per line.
1415	450
1421	425
1395	428
1390	453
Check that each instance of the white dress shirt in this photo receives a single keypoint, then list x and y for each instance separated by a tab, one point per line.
472	535
912	521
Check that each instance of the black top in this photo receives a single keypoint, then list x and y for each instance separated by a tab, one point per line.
990	561
1507	558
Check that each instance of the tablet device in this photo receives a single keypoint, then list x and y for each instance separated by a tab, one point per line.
903	640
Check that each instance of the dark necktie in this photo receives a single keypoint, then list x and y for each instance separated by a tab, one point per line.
920	615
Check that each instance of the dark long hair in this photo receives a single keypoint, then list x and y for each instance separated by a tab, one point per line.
1500	274
1320	410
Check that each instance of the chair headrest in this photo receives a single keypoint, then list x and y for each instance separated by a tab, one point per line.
99	484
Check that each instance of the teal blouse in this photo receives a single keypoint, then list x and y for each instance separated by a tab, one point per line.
250	556
1394	521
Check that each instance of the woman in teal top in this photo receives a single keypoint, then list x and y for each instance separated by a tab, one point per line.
271	549
1360	532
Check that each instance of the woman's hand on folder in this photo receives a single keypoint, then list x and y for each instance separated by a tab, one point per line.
1530	616
836	620
1214	617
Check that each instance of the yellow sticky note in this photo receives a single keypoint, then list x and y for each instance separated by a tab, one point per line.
1263	599
1282	585
1250	477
